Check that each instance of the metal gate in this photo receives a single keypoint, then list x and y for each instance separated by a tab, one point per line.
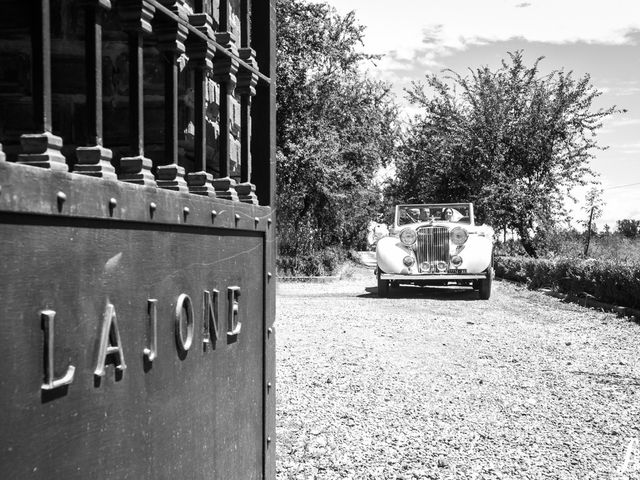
137	239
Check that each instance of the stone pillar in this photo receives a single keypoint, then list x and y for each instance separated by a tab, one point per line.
246	89
42	149
171	36
94	160
225	68
201	55
136	16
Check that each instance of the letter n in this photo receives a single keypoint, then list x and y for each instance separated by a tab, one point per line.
110	343
210	317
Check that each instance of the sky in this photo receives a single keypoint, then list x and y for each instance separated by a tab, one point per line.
596	37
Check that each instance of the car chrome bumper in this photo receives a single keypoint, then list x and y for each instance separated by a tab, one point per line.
435	276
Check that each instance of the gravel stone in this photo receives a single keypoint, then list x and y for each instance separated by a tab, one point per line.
435	384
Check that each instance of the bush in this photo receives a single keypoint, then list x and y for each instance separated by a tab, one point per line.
629	228
607	281
510	248
320	263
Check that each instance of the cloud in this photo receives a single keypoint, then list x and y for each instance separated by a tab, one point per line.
431	35
625	122
550	22
619	204
628	148
626	90
464	23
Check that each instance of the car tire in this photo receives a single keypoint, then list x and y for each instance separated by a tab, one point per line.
485	285
383	286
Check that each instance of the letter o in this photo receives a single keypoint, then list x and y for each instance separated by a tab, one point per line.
184	304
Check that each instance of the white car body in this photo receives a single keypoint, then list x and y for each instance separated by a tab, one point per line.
438	255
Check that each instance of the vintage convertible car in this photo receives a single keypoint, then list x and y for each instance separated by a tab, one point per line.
436	244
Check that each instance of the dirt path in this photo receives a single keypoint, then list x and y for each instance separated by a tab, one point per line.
436	384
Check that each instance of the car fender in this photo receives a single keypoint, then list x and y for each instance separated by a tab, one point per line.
390	252
476	254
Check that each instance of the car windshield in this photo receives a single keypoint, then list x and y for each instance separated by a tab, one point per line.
441	212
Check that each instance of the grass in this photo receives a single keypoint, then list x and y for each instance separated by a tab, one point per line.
613	248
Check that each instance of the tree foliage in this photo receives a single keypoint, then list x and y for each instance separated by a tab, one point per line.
512	140
593	211
628	227
335	127
594	205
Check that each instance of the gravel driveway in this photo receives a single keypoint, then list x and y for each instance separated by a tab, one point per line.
434	384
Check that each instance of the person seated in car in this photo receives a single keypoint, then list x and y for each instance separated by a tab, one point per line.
451	215
425	215
412	215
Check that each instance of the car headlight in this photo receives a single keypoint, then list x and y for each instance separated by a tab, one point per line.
458	236
408	236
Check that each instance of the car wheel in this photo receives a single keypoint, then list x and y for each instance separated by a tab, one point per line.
485	285
383	286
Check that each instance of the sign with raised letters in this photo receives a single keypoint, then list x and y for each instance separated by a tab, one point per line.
134	349
137	240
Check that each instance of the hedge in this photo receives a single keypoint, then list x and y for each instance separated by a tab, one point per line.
320	263
609	282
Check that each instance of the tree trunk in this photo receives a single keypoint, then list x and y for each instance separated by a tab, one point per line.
586	247
527	242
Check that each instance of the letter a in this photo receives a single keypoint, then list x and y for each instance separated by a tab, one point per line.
110	343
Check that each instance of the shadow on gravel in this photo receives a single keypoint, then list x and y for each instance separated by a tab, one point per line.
609	378
433	293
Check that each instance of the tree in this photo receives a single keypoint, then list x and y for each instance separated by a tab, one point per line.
593	209
512	140
628	227
335	128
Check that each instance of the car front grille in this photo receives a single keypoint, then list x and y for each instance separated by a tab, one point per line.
432	245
